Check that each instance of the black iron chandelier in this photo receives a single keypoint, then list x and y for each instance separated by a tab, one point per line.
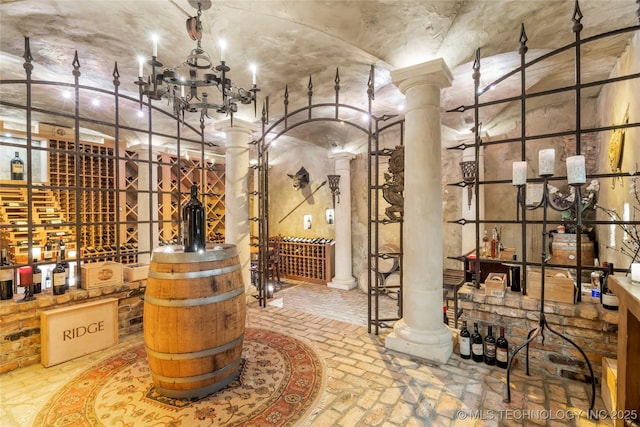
184	91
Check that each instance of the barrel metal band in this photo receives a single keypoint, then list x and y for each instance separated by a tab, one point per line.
192	302
195	354
194	274
198	392
182	380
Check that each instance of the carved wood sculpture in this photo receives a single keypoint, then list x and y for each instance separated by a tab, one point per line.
393	187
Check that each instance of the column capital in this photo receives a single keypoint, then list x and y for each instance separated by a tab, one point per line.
435	72
342	155
239	125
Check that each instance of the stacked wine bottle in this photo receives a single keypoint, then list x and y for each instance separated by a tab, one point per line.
489	350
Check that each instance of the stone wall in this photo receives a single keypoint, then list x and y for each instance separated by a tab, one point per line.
587	324
20	321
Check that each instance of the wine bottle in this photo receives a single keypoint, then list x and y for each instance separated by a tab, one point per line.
485	250
59	274
490	347
495	241
502	350
48	251
465	341
65	264
17	168
595	281
477	351
37	279
194	226
6	277
607	297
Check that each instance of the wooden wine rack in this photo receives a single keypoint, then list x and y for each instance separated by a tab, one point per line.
93	172
49	222
311	262
174	185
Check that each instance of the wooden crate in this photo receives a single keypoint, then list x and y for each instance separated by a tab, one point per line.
495	285
74	331
98	274
558	285
135	272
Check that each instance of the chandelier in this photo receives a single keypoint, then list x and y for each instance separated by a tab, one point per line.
184	90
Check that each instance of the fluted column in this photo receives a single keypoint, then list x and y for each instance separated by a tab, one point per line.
421	331
343	278
236	200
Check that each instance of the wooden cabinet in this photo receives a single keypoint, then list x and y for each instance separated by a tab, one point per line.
628	387
311	262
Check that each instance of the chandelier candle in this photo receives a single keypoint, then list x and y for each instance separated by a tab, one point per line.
546	161
576	173
519	173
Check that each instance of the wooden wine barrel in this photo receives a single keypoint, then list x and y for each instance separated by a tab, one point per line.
363	284
194	320
564	249
387	264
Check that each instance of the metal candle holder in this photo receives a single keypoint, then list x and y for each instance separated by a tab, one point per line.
334	186
576	177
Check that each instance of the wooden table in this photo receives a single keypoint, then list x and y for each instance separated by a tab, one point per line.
628	388
453	280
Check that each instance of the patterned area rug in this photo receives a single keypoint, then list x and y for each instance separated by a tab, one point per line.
280	381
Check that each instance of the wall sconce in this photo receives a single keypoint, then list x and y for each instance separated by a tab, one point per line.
334	186
469	178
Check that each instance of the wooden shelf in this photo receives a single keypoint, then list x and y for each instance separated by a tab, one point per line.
49	222
174	185
311	262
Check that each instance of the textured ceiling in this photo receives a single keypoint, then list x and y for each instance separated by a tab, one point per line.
291	40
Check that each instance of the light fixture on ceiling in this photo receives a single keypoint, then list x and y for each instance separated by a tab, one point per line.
183	91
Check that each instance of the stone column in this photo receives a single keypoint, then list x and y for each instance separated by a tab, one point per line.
236	201
147	206
342	220
421	331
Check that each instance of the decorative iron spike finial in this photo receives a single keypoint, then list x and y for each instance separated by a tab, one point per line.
476	70
116	75
76	65
577	17
28	66
337	85
370	83
523	41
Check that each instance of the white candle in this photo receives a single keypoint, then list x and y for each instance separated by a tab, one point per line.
223	45
141	67
546	161
635	272
253	74
155	45
576	173
182	91
519	173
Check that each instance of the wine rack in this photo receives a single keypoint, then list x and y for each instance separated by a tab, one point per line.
175	178
49	222
93	172
310	260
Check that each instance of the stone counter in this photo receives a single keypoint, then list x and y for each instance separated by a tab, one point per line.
587	324
20	321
